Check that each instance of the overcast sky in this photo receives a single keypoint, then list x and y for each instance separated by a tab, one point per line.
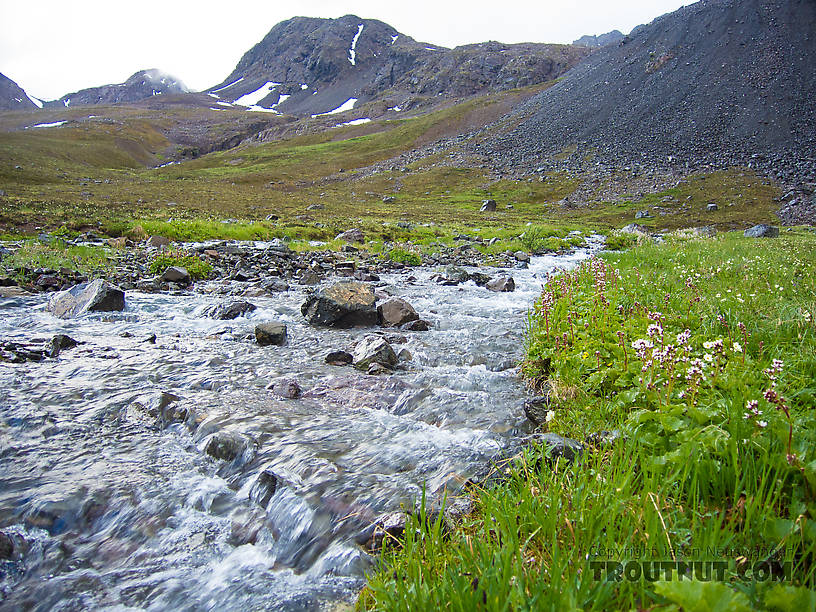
54	47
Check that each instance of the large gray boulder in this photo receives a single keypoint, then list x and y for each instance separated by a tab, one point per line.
374	350
395	312
352	235
345	304
762	231
95	296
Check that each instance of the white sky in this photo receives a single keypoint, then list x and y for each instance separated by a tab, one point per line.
54	47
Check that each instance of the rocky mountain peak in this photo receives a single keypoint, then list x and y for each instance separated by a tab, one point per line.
139	86
602	40
318	66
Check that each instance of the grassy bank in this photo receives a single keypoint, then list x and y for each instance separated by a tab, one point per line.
702	354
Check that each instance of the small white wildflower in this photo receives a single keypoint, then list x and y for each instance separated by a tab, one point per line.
737	347
762	424
708	357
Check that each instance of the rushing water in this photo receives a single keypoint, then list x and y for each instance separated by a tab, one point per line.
108	510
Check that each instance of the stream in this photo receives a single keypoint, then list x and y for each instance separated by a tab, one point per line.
108	510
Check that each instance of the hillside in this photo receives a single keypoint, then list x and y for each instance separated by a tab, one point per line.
716	84
12	96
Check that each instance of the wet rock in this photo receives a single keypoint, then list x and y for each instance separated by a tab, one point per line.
286	388
388	527
228	311
264	488
158	242
352	235
502	284
404	355
452	275
479	278
488	206
374	349
13	292
59	343
395	312
604	439
344	304
762	231
6	547
339	358
310	277
275	286
225	446
175	274
272	333
522	256
96	296
536	408
559	447
418	325
375	369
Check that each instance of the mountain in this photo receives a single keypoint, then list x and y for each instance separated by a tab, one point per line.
310	66
717	83
141	85
12	96
602	40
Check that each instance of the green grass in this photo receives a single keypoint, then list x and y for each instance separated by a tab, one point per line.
196	267
698	476
89	260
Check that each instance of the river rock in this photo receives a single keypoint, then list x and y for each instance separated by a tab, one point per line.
452	275
559	447
502	284
388	527
225	446
264	488
6	547
59	343
175	274
339	358
273	333
227	311
344	304
418	325
762	231
521	256
352	235
536	408
395	312
95	296
374	349
286	388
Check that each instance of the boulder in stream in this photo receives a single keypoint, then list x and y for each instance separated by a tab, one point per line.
374	350
175	274
263	488
94	296
273	333
226	311
344	304
286	388
225	446
339	358
502	284
395	312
